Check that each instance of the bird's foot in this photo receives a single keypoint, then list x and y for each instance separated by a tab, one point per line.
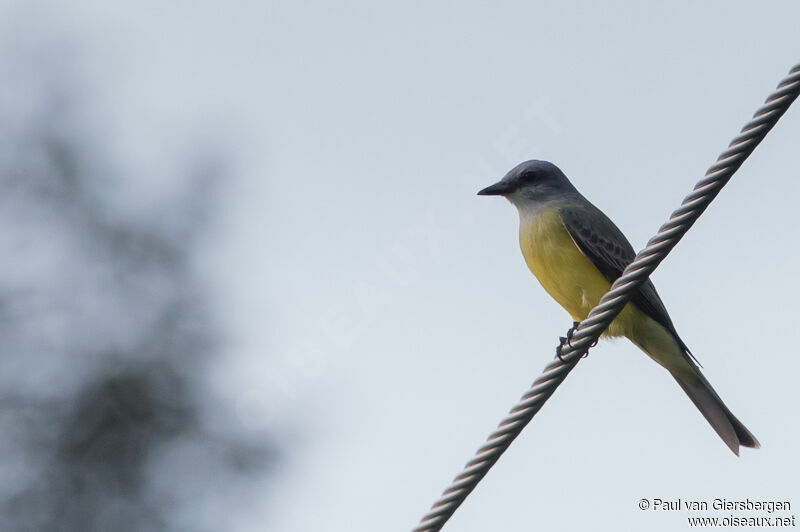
560	348
586	354
567	340
571	332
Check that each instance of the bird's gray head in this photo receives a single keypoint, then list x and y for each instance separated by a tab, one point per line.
531	183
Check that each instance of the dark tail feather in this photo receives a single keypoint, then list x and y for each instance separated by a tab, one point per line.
730	429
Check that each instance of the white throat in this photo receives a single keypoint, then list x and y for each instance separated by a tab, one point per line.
529	210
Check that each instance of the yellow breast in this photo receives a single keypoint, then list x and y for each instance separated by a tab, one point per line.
563	270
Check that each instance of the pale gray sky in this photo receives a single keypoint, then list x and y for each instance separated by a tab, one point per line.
381	315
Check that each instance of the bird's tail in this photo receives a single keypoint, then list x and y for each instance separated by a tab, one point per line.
730	429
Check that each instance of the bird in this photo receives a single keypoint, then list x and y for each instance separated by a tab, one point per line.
576	252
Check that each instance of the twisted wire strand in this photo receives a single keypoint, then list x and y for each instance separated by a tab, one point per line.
611	304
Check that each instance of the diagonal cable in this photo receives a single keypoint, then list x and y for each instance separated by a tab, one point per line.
614	300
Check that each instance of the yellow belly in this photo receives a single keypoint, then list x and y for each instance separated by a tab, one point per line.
566	273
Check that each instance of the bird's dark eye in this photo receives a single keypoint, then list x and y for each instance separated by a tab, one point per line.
528	177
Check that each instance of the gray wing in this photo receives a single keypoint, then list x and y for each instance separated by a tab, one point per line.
608	249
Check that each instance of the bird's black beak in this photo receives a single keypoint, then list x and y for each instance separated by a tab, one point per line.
501	188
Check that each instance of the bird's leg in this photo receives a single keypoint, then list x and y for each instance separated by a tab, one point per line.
567	340
560	347
586	354
571	331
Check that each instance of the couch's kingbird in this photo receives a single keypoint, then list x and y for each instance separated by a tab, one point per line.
576	252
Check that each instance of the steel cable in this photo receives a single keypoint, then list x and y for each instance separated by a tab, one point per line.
611	304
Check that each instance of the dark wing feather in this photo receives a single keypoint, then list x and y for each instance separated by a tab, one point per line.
608	249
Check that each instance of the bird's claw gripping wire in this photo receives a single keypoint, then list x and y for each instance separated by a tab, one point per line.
559	347
567	340
571	331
